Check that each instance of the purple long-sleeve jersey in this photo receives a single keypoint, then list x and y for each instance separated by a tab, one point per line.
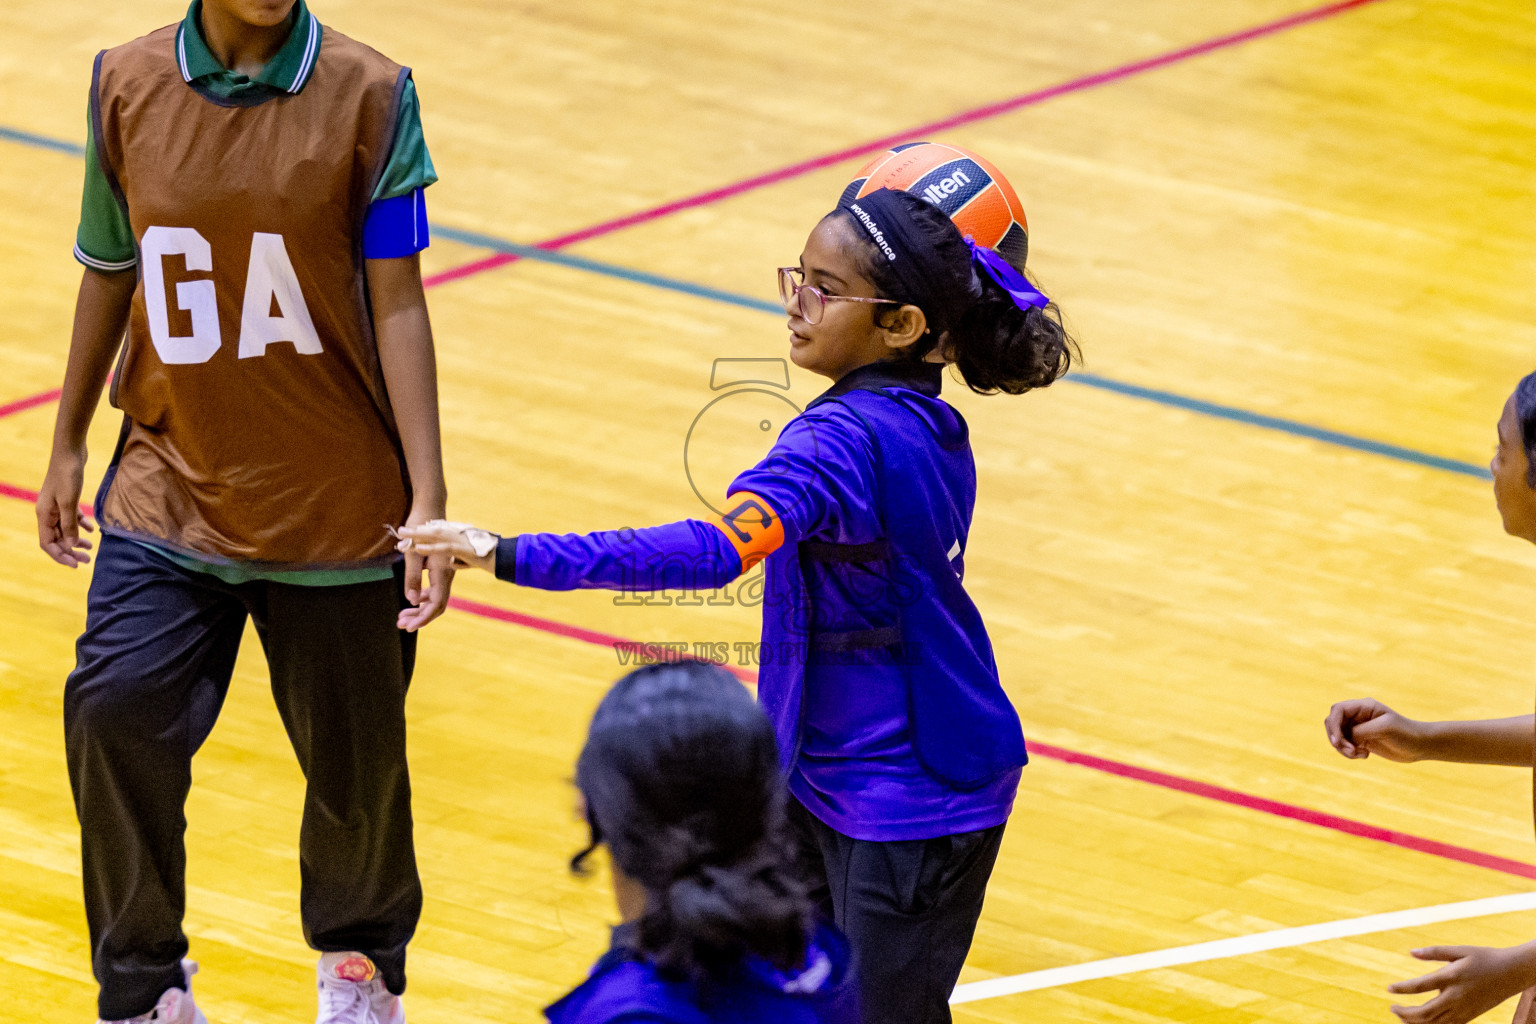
879	745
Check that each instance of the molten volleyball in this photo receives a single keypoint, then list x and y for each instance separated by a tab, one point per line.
971	191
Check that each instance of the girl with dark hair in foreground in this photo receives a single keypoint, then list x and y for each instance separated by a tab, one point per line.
680	780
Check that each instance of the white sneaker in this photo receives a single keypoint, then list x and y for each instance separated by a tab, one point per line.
351	992
175	1005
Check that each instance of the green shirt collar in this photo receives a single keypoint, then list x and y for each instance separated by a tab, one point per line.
288	70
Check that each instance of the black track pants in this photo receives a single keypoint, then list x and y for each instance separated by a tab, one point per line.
909	909
151	673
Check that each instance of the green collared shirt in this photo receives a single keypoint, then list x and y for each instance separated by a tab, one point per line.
288	70
104	240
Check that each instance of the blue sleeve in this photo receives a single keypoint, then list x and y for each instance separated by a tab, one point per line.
819	477
396	227
688	555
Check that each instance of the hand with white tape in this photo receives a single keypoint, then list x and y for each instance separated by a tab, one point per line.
467	544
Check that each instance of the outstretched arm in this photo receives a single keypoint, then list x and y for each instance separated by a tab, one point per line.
820	470
101	312
1360	728
692	554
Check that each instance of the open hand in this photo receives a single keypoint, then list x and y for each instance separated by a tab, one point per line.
59	517
1474	981
466	545
1360	728
426	604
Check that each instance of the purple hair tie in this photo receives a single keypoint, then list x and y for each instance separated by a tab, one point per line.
1008	278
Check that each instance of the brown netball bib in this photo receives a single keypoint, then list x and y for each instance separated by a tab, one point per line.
258	425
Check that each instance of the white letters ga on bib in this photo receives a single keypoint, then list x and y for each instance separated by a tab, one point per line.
269	281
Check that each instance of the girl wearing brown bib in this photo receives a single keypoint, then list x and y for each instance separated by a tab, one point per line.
250	227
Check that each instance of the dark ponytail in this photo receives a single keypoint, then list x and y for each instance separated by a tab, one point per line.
999	347
994	344
681	779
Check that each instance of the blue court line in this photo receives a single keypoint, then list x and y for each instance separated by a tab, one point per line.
1169	398
533	252
1226	412
1256	419
41	141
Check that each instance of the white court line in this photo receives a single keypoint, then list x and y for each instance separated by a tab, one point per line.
1240	945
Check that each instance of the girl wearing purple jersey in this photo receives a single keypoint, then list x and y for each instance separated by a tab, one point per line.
901	750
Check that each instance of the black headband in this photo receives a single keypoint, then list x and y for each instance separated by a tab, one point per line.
925	280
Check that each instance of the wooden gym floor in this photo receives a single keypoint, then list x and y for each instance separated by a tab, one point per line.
1262	227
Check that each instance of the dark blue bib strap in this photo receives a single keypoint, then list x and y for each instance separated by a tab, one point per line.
874	551
858	640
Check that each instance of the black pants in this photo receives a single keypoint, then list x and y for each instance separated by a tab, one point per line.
909	909
151	673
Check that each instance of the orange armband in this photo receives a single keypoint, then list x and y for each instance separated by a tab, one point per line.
754	529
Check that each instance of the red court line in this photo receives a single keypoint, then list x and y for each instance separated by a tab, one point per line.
20	493
30	402
565	629
1127	771
1283	810
1178	783
959	120
1119	768
470	269
30	497
33	401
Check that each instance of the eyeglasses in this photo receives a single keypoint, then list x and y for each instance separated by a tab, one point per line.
813	301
